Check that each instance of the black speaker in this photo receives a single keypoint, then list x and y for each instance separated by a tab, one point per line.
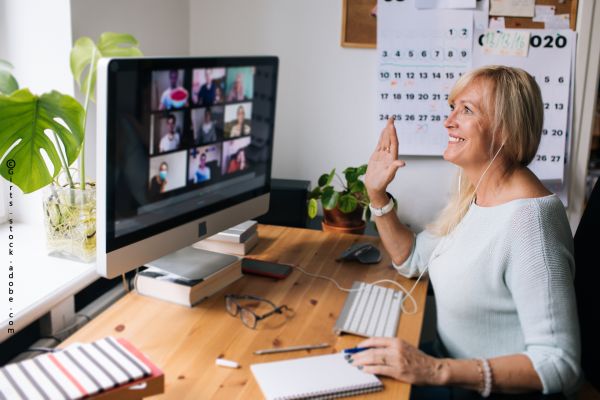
289	203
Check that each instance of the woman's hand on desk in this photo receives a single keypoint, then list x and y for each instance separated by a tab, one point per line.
383	165
397	359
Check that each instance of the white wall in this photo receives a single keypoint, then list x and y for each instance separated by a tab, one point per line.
35	36
161	27
326	96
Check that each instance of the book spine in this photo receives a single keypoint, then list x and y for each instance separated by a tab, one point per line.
217	286
238	249
232	236
185	295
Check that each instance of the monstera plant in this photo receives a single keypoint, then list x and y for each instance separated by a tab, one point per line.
41	136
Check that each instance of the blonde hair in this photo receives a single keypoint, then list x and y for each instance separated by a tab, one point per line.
513	104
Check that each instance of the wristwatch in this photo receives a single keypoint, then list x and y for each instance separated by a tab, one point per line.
378	212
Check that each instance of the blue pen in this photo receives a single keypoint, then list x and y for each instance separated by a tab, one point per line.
355	350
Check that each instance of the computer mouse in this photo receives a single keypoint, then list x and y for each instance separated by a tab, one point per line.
365	253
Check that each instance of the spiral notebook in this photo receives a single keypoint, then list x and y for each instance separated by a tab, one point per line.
319	377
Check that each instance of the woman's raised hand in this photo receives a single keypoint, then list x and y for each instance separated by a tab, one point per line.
383	165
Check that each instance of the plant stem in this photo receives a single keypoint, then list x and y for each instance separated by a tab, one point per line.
87	101
63	160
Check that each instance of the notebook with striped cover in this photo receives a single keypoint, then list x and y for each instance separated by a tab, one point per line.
76	372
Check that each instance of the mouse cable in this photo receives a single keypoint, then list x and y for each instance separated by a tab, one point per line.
408	292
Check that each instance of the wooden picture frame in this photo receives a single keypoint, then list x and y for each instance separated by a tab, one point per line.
359	27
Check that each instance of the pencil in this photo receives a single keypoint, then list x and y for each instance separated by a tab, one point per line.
292	348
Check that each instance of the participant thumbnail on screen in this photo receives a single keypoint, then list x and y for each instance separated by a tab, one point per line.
240	83
238	119
208	86
204	163
234	155
207	124
168	92
166	172
167	131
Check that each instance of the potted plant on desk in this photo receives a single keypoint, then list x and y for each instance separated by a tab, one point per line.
344	210
42	136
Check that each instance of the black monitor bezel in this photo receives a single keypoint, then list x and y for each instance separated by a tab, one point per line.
152	64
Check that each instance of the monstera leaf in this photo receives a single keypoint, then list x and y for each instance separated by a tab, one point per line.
30	124
86	53
8	83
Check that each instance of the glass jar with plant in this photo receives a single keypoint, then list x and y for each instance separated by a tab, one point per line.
344	210
42	136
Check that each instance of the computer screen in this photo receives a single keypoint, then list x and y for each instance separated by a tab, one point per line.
185	150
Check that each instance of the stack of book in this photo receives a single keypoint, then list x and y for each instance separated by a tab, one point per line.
238	240
157	283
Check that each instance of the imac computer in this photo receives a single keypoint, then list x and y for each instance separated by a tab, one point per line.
184	151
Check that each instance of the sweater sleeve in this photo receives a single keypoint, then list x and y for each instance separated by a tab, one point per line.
423	246
540	275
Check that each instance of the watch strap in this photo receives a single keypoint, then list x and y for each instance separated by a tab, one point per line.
378	212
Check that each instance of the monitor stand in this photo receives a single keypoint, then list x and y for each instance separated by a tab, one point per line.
191	263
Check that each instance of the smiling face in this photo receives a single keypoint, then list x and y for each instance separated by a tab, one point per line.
469	134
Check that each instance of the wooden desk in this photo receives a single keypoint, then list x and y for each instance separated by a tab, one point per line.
185	342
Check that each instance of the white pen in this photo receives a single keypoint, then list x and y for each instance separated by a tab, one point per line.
292	348
226	363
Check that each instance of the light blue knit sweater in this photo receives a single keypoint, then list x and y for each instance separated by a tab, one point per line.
503	282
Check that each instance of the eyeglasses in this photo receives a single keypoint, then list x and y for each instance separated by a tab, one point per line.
248	317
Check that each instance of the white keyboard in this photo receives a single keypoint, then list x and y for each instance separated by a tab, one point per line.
370	311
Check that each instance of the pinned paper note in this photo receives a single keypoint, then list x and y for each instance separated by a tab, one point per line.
543	10
497	23
512	8
425	4
506	43
560	21
481	15
551	21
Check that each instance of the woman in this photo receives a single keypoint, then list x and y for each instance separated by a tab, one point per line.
237	162
499	256
241	127
237	91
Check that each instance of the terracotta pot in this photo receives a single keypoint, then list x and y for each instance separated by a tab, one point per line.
356	230
337	221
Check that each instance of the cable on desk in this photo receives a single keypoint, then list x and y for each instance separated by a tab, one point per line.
407	292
